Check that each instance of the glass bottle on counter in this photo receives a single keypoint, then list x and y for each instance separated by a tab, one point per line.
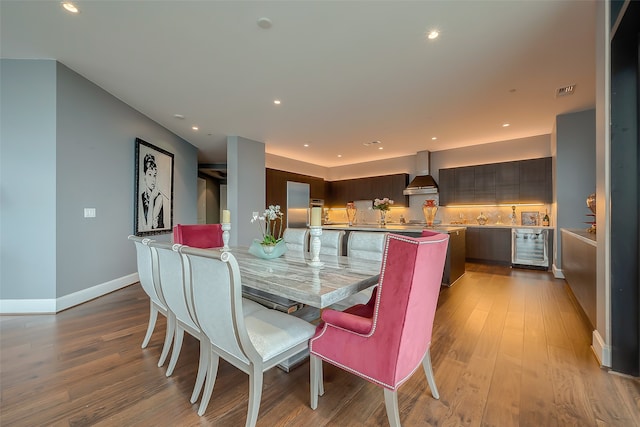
545	219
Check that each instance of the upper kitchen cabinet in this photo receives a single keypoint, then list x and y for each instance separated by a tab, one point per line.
484	184
447	187
535	181
524	181
464	184
507	182
391	186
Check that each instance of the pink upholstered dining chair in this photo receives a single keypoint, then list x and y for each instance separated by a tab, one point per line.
386	340
198	235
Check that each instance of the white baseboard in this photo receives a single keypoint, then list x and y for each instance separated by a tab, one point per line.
557	272
600	349
28	306
51	306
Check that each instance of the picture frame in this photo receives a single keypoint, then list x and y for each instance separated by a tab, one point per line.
153	207
529	218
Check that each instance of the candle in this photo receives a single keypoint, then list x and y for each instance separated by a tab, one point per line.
316	215
226	217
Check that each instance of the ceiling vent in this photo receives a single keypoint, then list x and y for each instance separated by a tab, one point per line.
565	91
371	143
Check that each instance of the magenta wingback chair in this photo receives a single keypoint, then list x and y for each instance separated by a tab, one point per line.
386	340
198	235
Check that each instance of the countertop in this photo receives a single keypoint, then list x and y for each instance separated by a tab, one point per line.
581	234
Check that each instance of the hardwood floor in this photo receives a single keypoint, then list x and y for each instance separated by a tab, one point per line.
509	349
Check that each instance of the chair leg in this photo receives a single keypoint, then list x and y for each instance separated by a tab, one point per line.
255	394
315	366
168	338
428	370
320	378
212	373
153	316
177	346
203	363
391	404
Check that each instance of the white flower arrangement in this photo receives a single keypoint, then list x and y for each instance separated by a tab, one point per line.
268	223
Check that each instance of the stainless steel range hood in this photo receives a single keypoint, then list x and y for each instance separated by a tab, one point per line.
423	183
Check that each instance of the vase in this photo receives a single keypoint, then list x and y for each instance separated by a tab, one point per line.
383	217
264	251
351	213
429	210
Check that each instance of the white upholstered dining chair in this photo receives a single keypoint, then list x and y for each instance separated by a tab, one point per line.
151	287
296	239
171	279
363	245
331	242
251	341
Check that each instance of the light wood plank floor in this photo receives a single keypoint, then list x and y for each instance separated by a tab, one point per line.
509	349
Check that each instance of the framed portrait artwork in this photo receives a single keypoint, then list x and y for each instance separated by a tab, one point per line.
154	190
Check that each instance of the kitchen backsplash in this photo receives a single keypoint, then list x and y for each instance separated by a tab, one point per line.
444	215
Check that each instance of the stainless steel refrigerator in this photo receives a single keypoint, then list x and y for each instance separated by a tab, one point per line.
297	204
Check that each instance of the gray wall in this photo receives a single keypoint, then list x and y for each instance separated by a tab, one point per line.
27	179
575	169
246	182
85	159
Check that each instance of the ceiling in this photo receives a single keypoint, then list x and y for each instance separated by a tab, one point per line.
347	72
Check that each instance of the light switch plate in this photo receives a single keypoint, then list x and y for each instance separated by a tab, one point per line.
89	212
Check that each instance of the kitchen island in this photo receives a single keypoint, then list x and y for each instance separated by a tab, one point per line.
454	266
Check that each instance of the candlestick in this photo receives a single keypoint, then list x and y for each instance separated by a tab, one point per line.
316	232
316	217
226	217
225	235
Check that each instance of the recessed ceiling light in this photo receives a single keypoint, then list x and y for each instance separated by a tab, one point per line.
194	127
264	23
433	138
505	125
380	148
178	116
339	155
306	145
276	101
70	7
433	34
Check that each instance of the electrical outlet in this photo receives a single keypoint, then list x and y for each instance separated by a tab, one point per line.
89	212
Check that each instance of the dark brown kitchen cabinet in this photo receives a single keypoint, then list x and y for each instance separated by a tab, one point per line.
507	182
346	190
484	189
447	187
535	180
523	181
464	184
491	245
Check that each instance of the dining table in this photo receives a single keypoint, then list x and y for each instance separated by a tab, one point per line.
292	276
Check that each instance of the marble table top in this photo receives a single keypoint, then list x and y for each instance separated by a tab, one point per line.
290	276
